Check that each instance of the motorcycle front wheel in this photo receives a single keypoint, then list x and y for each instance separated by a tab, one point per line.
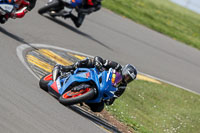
70	97
43	83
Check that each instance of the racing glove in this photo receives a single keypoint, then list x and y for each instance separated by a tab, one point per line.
121	89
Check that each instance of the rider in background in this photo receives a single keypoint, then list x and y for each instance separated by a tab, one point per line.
86	7
21	8
122	75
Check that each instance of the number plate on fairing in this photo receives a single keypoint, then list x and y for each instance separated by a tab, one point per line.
58	84
6	7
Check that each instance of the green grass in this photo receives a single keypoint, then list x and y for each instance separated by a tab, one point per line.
149	107
161	15
153	108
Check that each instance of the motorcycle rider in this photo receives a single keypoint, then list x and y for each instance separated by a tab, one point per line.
122	76
22	7
87	7
82	7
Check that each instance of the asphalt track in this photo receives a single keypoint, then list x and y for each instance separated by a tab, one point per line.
26	108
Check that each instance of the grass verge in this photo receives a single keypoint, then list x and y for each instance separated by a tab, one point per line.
162	16
157	108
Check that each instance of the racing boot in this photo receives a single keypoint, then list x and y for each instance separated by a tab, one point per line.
78	20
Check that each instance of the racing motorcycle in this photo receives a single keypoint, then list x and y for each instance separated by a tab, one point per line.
6	8
61	8
10	9
84	85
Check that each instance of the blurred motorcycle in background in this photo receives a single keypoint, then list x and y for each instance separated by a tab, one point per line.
67	9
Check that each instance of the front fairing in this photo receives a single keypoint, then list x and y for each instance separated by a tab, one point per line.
6	6
105	88
80	75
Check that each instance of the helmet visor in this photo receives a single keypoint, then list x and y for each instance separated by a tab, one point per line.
127	78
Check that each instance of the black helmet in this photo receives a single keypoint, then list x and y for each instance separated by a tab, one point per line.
129	73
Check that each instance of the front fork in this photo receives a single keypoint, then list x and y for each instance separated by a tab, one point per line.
56	73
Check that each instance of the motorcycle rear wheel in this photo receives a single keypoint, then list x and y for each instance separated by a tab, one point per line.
48	7
69	97
43	83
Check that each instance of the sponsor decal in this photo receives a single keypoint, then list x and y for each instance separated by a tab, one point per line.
54	87
87	75
108	75
58	84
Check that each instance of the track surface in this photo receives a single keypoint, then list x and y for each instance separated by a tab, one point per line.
26	108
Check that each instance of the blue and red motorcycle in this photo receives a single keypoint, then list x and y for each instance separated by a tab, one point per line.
86	85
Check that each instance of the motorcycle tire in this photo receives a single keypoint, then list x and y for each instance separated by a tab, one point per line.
69	97
43	83
48	7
